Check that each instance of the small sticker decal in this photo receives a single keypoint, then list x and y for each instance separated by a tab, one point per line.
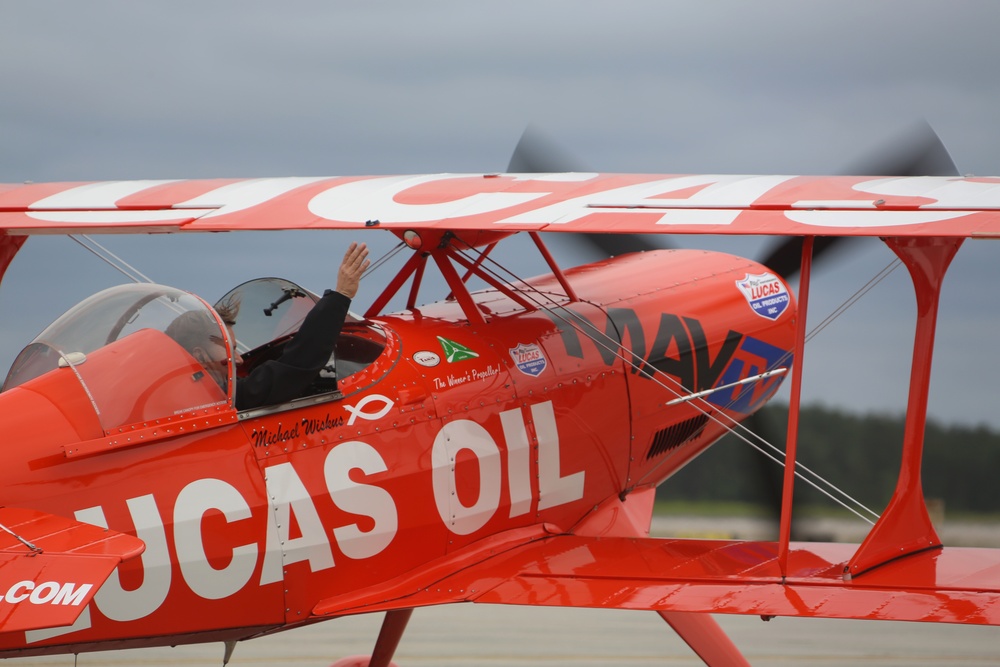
359	411
426	358
455	351
766	294
529	359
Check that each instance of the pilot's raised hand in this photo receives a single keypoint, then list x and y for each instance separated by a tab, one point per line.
354	265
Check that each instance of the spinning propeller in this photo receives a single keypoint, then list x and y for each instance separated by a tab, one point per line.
919	152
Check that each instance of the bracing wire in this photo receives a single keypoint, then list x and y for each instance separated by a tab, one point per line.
581	324
111	259
854	298
549	305
20	539
384	259
114	261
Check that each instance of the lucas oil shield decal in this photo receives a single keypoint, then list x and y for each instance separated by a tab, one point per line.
529	359
766	294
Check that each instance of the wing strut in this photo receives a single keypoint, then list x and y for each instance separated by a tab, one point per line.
9	245
449	254
702	633
393	626
556	271
788	487
905	526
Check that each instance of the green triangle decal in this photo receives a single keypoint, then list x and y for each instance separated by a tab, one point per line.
454	351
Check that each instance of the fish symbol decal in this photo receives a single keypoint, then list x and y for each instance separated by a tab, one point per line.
359	409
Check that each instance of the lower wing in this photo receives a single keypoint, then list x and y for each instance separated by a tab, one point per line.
951	585
51	567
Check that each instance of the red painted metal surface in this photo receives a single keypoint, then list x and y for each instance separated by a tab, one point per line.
9	245
478	207
702	633
459	436
56	566
792	439
905	527
950	585
489	449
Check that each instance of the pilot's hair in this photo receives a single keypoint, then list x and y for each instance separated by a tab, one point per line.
192	329
229	309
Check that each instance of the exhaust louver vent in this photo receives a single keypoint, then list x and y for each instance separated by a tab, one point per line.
676	435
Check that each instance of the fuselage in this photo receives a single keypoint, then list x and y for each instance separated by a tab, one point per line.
453	433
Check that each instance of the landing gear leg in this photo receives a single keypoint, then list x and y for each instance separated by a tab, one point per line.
393	626
705	637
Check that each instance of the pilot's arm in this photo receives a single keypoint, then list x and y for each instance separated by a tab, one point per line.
308	352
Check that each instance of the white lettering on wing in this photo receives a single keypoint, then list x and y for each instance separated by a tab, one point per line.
47	592
103	195
718	200
375	198
841	219
245	194
97	203
947	198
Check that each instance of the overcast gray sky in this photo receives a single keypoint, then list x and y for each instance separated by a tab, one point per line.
121	90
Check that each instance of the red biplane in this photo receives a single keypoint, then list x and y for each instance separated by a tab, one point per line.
501	445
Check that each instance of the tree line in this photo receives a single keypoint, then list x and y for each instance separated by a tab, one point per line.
858	453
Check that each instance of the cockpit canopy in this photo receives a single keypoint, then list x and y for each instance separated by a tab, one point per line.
138	352
264	310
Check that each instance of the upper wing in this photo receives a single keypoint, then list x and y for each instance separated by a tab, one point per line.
951	585
51	567
619	203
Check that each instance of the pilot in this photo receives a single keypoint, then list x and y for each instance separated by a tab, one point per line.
303	357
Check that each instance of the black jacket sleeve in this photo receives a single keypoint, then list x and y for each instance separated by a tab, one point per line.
305	355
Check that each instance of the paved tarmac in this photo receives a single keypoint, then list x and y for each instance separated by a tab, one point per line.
503	636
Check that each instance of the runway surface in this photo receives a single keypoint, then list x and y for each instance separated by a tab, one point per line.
503	636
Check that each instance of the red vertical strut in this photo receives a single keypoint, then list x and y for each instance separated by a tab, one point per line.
9	245
556	271
791	447
458	289
905	526
702	633
413	264
388	637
